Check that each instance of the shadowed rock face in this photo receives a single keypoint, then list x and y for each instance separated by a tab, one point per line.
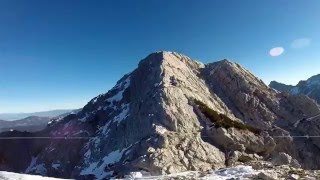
149	121
16	154
310	87
280	86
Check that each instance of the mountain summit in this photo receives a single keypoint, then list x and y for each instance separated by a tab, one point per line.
310	87
173	114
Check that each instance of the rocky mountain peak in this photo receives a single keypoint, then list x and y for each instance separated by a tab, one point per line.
163	59
312	81
315	77
174	114
309	87
224	62
280	86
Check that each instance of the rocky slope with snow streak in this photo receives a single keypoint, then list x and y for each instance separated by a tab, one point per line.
310	87
173	114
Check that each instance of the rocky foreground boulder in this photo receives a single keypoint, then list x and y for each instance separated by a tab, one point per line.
174	114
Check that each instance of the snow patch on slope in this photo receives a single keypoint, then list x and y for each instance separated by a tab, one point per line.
32	164
106	128
56	165
15	176
123	114
124	85
160	129
36	168
237	172
39	169
98	168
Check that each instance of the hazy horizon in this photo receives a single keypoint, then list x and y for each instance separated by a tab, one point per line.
49	110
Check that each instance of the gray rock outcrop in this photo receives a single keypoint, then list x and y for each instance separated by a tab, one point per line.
173	114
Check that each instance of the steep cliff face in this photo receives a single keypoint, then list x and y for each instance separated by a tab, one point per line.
156	128
173	114
281	115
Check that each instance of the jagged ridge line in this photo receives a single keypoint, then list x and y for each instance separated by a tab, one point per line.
75	137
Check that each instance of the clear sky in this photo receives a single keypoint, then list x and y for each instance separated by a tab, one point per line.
61	53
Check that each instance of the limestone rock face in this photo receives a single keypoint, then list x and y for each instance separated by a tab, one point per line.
284	159
242	140
247	96
282	116
150	121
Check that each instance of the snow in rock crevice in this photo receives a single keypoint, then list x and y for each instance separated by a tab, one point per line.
123	114
55	165
98	168
32	164
123	85
36	168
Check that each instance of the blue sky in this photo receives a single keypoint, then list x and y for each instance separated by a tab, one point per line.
60	54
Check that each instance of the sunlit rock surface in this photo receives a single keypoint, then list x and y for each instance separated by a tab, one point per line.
150	121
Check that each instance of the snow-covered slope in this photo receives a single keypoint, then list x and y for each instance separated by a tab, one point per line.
15	176
237	172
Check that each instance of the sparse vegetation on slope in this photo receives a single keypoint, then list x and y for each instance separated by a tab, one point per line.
221	120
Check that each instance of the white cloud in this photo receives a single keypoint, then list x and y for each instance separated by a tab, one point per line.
301	43
277	51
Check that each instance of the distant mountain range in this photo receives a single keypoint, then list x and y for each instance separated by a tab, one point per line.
17	116
30	124
34	123
309	87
